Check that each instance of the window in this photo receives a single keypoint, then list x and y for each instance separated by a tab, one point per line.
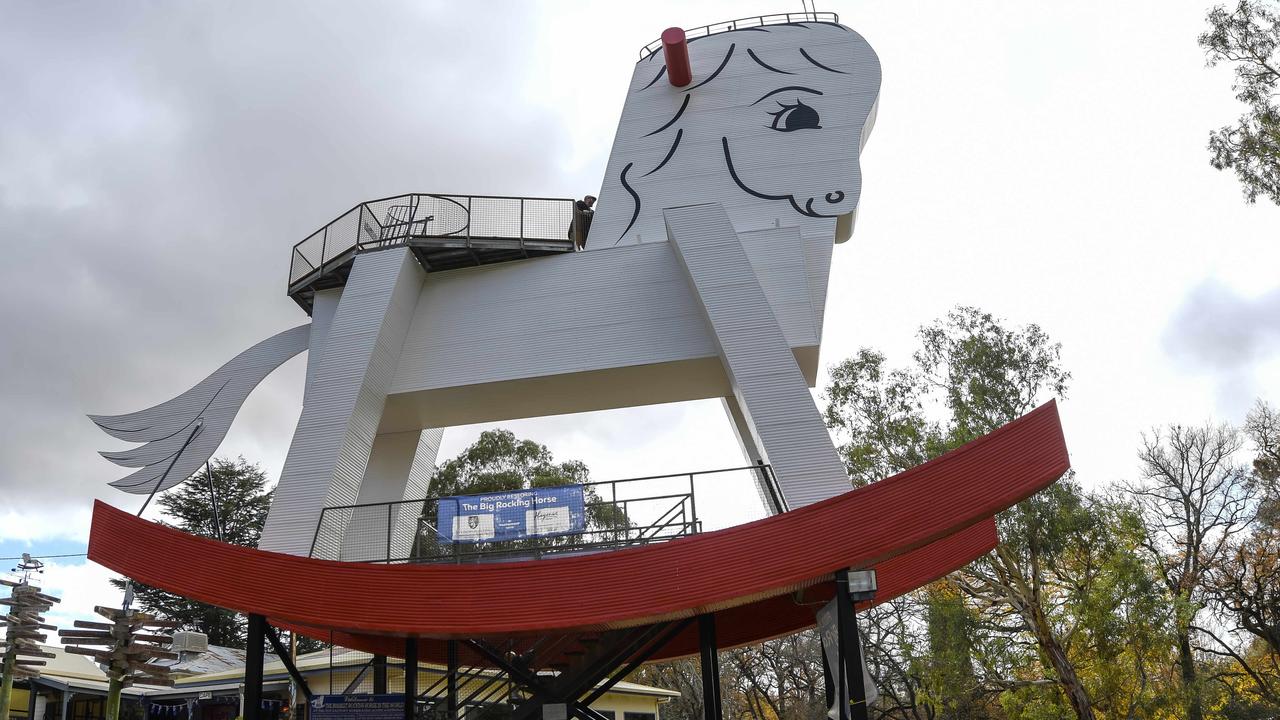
638	716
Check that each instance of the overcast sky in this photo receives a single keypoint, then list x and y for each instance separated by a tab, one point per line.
1045	162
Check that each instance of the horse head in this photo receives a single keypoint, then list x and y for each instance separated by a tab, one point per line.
771	127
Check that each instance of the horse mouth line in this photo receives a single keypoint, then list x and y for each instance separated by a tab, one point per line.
807	210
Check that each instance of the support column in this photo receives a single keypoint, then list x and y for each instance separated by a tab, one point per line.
451	699
379	674
742	431
712	708
410	678
400	468
849	647
335	434
768	385
253	653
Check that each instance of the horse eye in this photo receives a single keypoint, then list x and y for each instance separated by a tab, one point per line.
795	117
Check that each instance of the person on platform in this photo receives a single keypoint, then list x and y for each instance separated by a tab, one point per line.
581	225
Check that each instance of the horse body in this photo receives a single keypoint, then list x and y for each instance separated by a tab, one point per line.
705	276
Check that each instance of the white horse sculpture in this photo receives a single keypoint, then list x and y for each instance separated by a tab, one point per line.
705	276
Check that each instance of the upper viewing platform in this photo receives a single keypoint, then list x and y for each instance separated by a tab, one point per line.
745	24
444	231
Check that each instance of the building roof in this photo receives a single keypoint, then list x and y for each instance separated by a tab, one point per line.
215	659
80	672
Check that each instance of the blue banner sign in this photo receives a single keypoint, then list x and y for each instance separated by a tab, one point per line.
357	707
516	515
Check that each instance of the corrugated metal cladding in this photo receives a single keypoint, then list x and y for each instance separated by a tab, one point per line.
334	438
400	467
746	624
716	571
586	311
767	382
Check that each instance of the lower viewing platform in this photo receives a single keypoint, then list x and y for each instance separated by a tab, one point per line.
615	514
445	232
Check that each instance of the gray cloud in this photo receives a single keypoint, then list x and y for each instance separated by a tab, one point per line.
156	168
1219	331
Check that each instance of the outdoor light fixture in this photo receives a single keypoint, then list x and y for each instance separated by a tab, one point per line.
862	585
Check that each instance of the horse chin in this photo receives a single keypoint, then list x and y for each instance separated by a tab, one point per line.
822	210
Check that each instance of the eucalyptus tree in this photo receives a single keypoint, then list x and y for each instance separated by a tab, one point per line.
1196	502
969	376
1246	37
241	511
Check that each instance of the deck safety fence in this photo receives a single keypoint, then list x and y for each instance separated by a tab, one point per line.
746	22
619	513
397	220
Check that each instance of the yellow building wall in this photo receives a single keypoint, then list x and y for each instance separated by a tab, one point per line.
18	702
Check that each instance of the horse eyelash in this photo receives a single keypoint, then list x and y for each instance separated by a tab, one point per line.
778	115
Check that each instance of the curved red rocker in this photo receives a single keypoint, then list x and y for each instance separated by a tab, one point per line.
762	579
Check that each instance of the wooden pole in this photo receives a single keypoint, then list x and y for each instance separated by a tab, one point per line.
112	709
6	689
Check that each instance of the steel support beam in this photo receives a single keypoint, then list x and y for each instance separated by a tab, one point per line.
379	674
410	678
253	667
646	653
710	656
850	650
451	693
283	653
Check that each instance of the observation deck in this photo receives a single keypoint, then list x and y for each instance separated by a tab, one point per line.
445	232
619	513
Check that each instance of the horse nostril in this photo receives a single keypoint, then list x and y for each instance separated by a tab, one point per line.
835	197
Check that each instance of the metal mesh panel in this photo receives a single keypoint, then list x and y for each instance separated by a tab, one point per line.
444	215
368	537
404	528
495	217
307	256
327	544
547	219
343	233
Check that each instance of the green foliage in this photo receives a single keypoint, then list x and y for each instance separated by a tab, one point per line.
1083	610
1262	426
1247	38
949	683
970	375
980	374
243	501
498	461
988	374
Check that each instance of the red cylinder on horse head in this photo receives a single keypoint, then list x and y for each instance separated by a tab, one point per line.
676	52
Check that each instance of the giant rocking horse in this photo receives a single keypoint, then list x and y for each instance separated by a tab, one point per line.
733	175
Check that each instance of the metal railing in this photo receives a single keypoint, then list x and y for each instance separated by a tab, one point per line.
747	22
619	513
398	219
